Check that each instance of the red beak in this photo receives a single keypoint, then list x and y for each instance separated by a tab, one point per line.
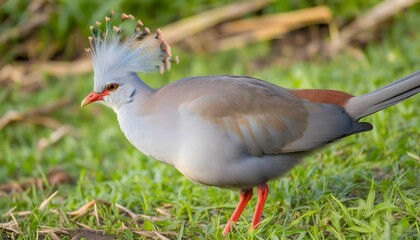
93	97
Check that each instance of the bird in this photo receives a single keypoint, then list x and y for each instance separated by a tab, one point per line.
227	131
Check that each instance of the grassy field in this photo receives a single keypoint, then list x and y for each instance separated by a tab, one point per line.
363	187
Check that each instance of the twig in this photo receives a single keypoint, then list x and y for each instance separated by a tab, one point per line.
56	136
153	234
9	211
239	33
32	74
11	226
14	116
163	212
61	68
46	122
368	20
82	210
45	203
266	28
187	27
54	177
19	74
128	211
160	235
301	17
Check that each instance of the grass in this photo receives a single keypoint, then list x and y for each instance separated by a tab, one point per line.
363	187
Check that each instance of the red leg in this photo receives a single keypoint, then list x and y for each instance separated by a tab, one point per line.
245	196
262	197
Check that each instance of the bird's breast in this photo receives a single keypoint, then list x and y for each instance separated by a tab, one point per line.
201	150
151	135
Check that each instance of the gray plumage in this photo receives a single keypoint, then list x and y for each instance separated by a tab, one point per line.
364	105
226	131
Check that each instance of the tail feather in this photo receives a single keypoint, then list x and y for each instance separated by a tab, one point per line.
364	105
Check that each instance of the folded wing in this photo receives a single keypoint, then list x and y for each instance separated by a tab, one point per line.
264	118
268	119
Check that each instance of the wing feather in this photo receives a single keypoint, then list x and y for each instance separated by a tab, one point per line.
263	117
253	112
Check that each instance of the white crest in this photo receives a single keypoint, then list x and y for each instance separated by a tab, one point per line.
115	54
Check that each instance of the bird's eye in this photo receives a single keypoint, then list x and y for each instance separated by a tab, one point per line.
112	87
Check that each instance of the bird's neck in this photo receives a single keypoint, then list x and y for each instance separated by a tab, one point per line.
138	93
142	91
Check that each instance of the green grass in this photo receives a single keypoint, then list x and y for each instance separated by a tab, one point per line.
363	187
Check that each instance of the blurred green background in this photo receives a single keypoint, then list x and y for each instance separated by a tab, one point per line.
63	28
364	187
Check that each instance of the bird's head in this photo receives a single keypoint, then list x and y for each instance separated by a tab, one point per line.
117	54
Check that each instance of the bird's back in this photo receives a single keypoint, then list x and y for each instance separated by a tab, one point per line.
266	118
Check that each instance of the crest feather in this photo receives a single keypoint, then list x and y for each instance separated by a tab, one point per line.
127	47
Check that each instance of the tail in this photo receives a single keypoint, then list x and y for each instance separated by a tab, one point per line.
364	105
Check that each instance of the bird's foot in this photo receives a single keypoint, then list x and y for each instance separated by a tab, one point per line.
245	196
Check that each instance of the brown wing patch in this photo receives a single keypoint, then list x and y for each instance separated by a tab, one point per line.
323	96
